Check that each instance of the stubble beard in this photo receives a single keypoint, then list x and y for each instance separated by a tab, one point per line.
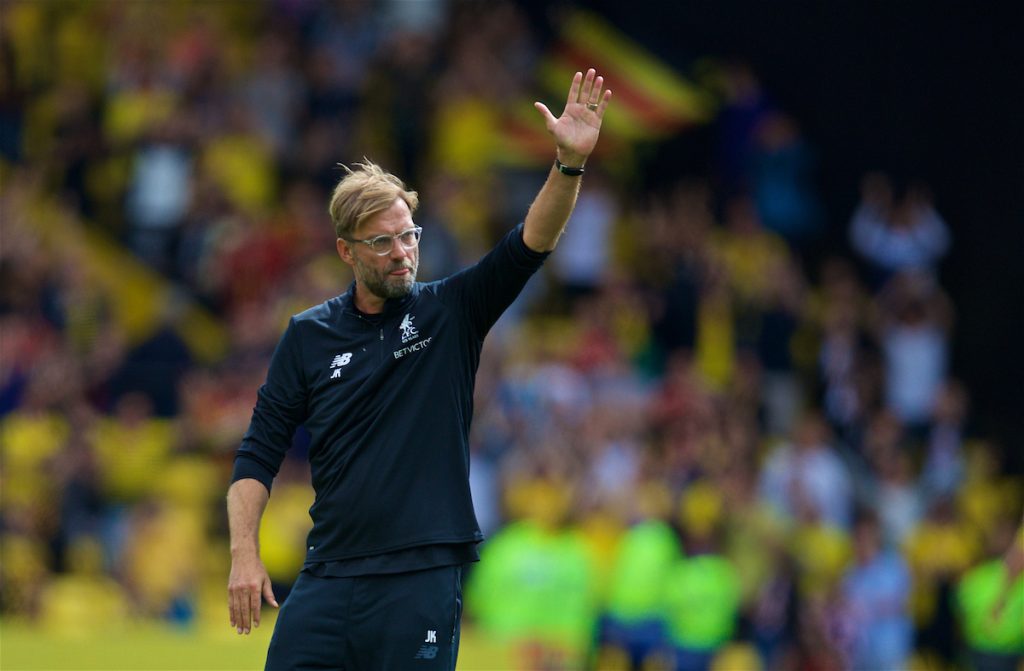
379	283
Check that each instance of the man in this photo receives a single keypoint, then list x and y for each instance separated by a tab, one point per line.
382	378
875	593
990	602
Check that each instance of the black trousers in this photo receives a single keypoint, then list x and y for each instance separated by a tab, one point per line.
396	621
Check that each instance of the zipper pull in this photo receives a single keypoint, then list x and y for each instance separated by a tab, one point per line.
382	335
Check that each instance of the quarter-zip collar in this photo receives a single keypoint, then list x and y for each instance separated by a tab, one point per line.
392	306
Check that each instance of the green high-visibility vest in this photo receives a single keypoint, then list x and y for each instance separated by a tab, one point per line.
702	600
977	594
535	584
646	555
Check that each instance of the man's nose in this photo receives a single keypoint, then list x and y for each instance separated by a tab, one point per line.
398	251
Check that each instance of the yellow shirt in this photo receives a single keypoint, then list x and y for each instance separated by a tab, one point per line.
822	552
131	458
27	442
749	259
934	551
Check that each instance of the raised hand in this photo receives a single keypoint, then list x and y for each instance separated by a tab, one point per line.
577	130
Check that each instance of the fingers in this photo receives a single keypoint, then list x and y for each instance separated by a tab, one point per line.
595	92
244	605
238	601
245	609
549	118
241	606
268	594
574	88
586	87
254	606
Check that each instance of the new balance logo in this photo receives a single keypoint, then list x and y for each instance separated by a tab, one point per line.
431	636
339	361
426	652
408	330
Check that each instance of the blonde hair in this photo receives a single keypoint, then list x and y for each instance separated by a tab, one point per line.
362	193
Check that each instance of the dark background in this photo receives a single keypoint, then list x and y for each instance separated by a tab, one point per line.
922	91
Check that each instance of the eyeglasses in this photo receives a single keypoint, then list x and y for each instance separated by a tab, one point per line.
383	244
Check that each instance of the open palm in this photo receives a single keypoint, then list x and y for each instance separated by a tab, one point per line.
577	130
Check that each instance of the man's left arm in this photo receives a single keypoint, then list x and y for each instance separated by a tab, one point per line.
575	134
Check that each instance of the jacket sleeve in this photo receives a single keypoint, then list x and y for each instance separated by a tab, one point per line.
281	405
486	289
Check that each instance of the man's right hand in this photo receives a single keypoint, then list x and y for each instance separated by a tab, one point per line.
247	582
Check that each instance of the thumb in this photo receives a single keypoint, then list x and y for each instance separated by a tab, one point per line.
549	118
268	593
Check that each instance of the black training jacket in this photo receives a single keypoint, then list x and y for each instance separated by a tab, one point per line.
387	400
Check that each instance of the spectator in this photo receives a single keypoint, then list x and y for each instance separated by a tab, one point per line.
897	235
915	320
782	168
990	601
938	552
781	393
843	355
632	628
534	585
875	598
746	105
806	472
586	243
273	90
702	592
944	463
159	194
84	600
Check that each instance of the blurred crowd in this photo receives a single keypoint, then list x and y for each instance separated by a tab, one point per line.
702	438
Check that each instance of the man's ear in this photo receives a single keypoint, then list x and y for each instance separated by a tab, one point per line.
345	251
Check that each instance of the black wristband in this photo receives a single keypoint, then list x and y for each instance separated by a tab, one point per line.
566	170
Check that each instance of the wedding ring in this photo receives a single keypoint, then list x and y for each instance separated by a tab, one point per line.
592	107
